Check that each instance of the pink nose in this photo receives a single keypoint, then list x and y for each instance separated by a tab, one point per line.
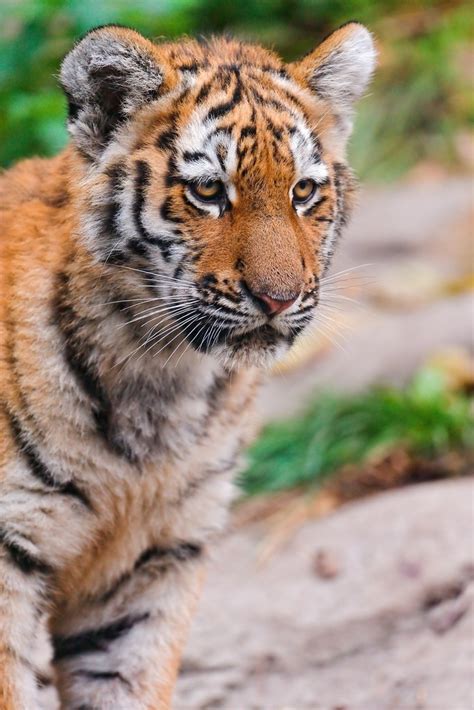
273	306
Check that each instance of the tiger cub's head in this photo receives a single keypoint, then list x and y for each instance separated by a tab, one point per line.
217	173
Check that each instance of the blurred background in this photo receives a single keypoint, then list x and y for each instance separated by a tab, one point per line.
319	578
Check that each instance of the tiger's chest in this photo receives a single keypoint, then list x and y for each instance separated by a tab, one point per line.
162	470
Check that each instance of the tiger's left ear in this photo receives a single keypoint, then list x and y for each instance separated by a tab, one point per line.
339	70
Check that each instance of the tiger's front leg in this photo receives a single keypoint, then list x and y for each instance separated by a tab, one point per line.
35	543
26	674
121	650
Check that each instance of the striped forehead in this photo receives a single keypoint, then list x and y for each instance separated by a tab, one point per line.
206	151
209	145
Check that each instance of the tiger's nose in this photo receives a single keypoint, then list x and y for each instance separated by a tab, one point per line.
272	306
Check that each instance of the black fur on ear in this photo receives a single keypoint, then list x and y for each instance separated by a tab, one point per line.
107	76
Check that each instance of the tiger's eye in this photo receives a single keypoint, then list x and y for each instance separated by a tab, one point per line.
208	191
303	190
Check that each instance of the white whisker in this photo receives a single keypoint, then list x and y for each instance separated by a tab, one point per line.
155	274
187	347
154	339
175	325
331	277
150	312
178	345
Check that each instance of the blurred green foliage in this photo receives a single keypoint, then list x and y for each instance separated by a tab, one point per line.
426	419
418	103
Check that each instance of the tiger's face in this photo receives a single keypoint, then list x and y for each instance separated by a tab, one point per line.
217	174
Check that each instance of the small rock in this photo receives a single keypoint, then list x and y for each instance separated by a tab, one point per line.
410	569
326	566
442	618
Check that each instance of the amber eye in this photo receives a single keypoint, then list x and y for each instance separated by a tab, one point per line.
210	191
303	191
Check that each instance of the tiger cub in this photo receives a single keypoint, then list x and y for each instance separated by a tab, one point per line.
150	272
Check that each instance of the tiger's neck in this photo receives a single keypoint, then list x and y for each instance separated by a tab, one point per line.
131	378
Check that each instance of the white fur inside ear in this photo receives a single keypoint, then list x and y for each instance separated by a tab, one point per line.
343	75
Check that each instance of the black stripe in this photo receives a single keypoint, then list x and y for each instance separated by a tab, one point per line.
95	640
156	241
203	93
344	183
116	174
178	271
276	132
24	560
224	108
142	180
266	101
43	681
267	68
74	328
207	280
214	396
71	326
166	213
223	131
225	74
166	139
218	293
117	257
217	311
172	176
192	67
38	468
297	328
196	211
102	675
138	248
73	107
195	484
315	206
194	156
305	309
221	161
58	199
248	131
182	552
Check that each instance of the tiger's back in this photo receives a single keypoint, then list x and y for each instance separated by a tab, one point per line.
148	273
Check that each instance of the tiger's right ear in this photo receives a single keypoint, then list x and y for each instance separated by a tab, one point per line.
339	70
106	77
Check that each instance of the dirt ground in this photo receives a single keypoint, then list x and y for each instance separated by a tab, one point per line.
370	607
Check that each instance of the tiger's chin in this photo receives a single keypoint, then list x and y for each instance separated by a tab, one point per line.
261	347
240	357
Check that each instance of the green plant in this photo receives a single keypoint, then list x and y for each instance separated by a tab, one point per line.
426	418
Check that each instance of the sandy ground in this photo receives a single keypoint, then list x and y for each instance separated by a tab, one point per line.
369	608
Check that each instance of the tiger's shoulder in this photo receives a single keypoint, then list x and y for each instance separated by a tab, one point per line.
35	180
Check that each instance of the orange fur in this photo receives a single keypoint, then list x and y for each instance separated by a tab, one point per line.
115	503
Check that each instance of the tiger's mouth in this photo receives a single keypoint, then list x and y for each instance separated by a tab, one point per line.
253	344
